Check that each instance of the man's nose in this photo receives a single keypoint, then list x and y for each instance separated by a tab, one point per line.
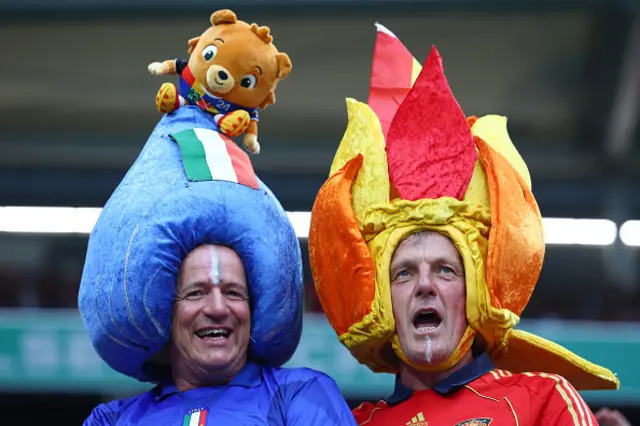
426	284
215	304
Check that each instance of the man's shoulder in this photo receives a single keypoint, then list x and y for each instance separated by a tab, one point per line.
108	413
305	383
297	374
539	383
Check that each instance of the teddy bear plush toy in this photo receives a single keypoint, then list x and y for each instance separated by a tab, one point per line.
232	71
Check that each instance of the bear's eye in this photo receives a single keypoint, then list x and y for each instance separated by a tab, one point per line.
209	52
249	81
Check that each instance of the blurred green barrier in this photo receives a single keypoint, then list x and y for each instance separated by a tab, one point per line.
48	350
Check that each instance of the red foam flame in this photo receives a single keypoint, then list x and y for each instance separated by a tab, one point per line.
430	148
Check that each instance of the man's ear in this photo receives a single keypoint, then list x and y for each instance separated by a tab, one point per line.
192	44
270	99
284	65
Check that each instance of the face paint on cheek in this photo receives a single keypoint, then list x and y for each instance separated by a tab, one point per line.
214	271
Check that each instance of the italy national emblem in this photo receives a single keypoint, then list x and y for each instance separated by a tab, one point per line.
197	417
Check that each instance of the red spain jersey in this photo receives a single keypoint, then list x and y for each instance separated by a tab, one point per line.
480	395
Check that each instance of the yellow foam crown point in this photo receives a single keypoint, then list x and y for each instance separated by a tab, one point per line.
364	136
493	130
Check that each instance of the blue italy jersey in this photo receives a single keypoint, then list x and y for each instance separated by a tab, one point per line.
256	396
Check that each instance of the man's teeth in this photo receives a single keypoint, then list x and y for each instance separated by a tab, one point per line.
214	333
425	328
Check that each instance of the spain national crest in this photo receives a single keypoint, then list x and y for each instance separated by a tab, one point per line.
484	421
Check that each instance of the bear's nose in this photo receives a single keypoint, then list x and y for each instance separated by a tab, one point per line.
222	75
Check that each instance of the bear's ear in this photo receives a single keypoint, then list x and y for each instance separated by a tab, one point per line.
224	16
192	44
270	99
284	65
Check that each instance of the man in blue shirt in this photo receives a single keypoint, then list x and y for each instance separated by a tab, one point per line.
193	282
211	378
256	396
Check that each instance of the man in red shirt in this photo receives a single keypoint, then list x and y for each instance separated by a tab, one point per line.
426	243
428	294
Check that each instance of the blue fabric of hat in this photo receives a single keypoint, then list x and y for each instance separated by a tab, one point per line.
154	218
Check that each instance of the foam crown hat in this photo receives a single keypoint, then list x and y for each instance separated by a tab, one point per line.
416	163
189	186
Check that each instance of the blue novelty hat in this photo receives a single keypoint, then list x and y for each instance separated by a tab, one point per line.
189	186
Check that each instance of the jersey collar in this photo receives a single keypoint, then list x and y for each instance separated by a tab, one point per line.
250	376
480	365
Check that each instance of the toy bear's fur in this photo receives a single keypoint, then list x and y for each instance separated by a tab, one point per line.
233	70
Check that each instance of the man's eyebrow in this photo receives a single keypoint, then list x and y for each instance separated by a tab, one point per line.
443	260
235	285
192	285
439	260
404	263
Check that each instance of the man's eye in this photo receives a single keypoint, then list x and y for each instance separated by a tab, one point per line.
236	295
195	294
447	271
402	274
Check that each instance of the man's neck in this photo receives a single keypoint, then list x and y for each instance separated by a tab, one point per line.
190	377
419	380
185	383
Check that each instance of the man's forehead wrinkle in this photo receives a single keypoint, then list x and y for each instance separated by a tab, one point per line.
202	278
233	283
405	258
412	258
420	237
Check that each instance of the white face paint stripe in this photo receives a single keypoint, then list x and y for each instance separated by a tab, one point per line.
214	271
429	353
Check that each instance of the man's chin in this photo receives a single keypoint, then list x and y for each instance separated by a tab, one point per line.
217	370
228	359
428	356
423	360
219	361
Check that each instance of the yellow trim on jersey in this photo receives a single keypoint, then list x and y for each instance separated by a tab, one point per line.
563	393
370	416
515	416
479	394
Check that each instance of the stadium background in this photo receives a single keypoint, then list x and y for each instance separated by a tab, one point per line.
77	105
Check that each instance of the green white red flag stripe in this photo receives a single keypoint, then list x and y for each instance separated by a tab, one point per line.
208	155
195	418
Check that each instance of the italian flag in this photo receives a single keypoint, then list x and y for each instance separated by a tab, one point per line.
208	155
393	72
197	418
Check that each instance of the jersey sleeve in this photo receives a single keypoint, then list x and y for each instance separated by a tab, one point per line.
564	405
318	402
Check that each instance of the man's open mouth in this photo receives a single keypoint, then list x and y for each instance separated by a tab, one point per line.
426	320
213	333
